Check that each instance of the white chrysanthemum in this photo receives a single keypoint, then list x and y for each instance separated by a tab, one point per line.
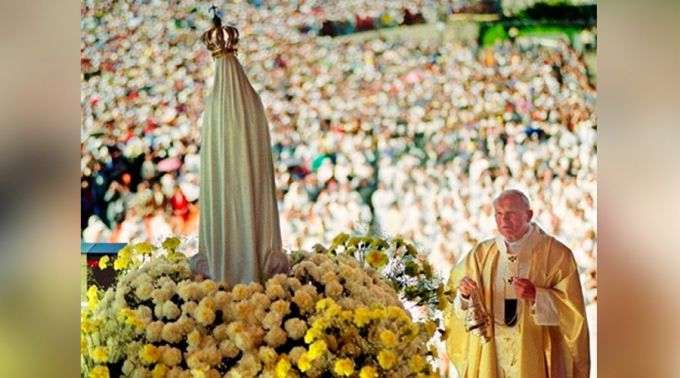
153	331
171	311
143	291
207	287
275	291
295	328
140	372
211	355
244	310
194	339
178	372
272	320
334	289
249	365
293	284
281	306
204	315
221	332
295	354
171	333
185	324
304	300
260	300
229	349
171	356
328	277
267	355
128	367
276	337
240	292
221	298
161	295
189	291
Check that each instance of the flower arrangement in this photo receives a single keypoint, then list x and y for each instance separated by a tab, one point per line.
329	317
399	262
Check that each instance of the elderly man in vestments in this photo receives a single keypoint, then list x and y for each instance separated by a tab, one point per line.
526	287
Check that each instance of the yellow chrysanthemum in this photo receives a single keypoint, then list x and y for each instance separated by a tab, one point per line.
143	248
388	338
159	371
386	359
104	262
99	372
362	316
304	362
312	334
121	262
92	297
346	315
149	354
324	303
100	354
430	327
395	312
344	366
317	349
171	243
368	372
83	345
282	368
416	363
197	373
376	259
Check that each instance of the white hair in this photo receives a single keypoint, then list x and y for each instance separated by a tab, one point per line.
515	193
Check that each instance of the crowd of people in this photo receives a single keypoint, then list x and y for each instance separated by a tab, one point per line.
407	136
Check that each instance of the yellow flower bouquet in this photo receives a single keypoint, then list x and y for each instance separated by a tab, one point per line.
330	316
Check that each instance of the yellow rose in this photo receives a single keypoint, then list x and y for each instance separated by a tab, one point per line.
99	372
388	338
100	354
104	262
368	372
344	366
386	359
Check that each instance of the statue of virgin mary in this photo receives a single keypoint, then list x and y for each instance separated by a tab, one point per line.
239	233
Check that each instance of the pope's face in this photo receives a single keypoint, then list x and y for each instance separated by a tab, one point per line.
512	217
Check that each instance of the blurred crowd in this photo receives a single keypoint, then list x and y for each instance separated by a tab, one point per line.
405	136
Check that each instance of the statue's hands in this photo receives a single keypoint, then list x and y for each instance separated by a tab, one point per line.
467	286
276	263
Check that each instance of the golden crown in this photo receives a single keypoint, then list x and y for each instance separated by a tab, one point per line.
221	40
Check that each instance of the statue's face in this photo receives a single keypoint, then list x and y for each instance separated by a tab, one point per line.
512	217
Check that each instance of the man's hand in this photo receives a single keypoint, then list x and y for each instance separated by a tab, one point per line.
524	288
467	286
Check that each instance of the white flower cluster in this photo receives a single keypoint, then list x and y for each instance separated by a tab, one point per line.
177	327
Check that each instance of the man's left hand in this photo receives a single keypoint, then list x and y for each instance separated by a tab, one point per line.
524	288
